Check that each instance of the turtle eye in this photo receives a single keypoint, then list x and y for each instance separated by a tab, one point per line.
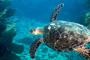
31	31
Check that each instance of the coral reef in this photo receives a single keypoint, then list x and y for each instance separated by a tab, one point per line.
8	35
10	12
8	49
4	4
2	28
7	46
6	13
87	20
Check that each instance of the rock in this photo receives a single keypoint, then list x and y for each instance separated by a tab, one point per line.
8	35
12	57
4	4
16	48
10	12
2	28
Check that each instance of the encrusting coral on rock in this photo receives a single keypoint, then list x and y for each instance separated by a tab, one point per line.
8	49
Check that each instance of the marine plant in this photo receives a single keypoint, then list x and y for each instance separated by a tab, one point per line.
7	45
8	49
7	38
6	12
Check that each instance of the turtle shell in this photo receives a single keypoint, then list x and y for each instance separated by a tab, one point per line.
64	36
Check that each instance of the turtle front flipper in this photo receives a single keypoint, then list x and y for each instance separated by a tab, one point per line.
34	46
84	51
55	12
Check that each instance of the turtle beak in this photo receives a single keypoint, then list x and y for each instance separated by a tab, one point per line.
36	31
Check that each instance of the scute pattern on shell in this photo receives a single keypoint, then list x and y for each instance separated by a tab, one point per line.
64	36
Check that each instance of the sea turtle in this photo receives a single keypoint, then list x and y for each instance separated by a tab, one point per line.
62	36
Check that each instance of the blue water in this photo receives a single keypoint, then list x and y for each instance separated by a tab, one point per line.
41	10
36	13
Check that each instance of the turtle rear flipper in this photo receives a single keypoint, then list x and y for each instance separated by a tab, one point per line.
55	12
34	47
84	51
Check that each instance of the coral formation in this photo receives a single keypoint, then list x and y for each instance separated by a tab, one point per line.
6	40
8	49
6	13
87	20
10	12
7	36
2	28
4	4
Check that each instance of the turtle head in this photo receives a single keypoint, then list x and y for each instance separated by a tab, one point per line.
35	31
